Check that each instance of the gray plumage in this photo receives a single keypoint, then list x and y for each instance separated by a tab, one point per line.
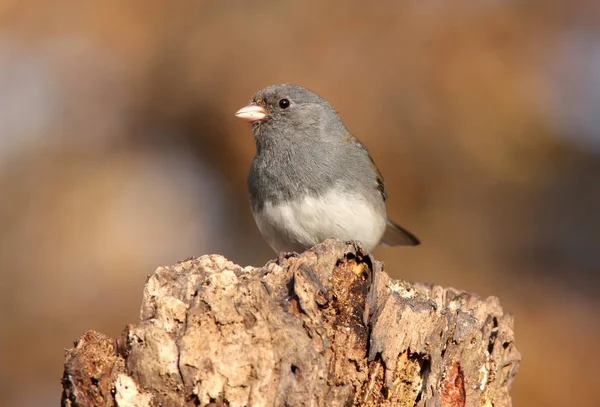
310	178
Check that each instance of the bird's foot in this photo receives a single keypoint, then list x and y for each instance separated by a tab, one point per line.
284	256
281	257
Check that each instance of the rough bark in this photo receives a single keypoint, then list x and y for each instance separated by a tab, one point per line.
327	328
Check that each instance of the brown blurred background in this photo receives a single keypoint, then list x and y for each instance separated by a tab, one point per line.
119	152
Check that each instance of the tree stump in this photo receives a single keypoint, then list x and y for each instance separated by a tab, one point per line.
326	328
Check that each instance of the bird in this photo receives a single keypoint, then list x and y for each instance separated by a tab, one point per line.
311	179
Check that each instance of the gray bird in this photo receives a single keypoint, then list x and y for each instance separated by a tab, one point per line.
311	179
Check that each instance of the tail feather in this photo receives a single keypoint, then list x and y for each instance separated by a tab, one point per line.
396	235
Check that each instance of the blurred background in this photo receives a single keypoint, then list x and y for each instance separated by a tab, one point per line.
119	152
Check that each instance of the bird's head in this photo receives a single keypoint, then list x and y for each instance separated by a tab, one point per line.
289	109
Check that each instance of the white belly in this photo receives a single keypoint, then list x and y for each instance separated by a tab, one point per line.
296	226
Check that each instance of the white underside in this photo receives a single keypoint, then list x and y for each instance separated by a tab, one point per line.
296	226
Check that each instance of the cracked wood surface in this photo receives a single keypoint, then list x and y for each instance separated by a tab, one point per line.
327	328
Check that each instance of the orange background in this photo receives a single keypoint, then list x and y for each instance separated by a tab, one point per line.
119	152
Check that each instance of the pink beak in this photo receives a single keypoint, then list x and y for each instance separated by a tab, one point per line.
251	113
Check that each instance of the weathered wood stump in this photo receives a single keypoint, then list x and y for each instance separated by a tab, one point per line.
327	328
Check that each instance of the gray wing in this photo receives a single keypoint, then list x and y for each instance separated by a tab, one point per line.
363	149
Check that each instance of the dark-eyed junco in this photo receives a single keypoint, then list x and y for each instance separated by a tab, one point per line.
311	179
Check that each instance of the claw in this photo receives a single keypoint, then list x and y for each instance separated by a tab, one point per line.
281	257
284	256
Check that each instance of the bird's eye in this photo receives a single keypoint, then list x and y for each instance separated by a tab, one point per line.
284	103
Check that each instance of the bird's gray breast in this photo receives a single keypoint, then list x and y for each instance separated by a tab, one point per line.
287	172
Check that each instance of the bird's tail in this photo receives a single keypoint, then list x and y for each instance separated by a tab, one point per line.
396	235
